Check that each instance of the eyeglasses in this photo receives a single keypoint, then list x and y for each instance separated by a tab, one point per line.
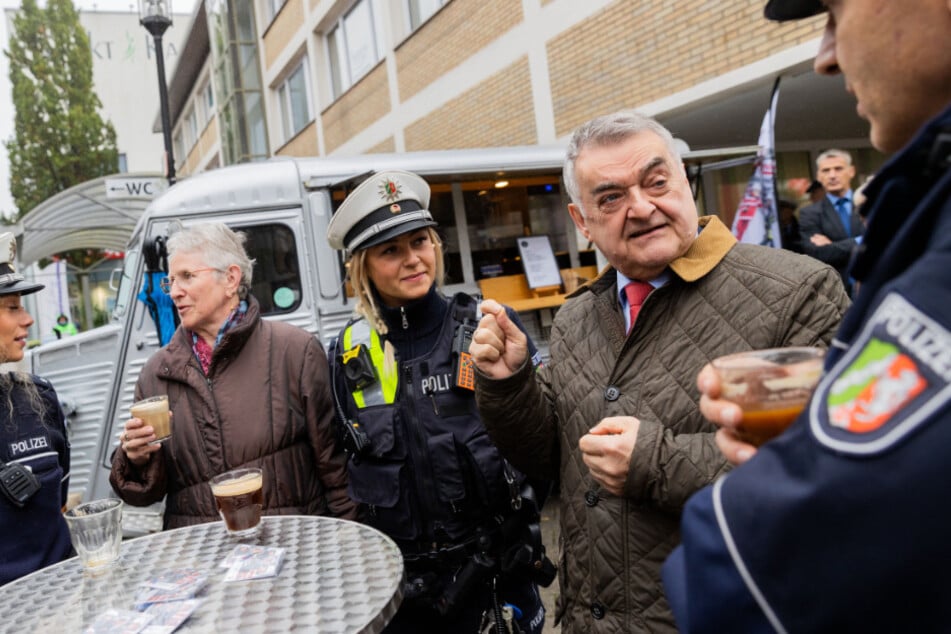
184	280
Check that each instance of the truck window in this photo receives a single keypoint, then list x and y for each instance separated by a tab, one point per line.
127	283
276	282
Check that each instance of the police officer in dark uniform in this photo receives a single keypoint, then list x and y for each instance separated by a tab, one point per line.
422	466
34	450
841	524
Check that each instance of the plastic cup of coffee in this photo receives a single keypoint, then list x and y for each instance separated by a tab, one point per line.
95	528
771	387
154	412
239	495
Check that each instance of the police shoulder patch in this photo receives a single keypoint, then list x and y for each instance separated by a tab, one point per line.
894	377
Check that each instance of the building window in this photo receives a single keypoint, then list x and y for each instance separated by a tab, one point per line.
237	80
352	47
422	10
274	7
204	105
295	102
191	129
123	163
178	148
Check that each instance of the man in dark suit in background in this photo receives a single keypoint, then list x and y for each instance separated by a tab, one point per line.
830	228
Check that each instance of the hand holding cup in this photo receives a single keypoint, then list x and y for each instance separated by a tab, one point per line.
770	387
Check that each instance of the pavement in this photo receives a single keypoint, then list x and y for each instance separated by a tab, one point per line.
550	531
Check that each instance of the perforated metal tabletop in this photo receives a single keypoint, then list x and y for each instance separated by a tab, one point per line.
337	576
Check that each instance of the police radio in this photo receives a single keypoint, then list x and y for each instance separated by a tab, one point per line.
18	483
463	370
358	368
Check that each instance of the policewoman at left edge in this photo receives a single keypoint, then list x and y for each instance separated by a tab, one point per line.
34	450
421	464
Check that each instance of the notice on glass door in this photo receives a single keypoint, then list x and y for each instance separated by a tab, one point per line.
538	260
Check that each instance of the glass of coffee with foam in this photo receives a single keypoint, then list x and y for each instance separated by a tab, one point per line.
239	495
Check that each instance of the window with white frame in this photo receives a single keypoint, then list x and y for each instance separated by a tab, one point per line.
422	10
204	105
295	101
178	148
274	7
191	129
352	47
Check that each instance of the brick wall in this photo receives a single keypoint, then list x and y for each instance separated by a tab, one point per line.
384	147
498	111
304	143
206	140
364	103
282	29
637	51
459	30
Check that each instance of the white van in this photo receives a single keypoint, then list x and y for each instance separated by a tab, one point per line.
483	200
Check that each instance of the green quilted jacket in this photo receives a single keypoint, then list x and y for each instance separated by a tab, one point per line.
722	297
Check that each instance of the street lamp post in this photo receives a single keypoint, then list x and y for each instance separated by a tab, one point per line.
156	17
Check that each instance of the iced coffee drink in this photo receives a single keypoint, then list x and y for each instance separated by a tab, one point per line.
239	495
154	412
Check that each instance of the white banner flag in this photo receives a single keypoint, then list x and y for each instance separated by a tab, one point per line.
757	218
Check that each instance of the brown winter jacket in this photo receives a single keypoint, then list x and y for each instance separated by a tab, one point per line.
722	297
265	403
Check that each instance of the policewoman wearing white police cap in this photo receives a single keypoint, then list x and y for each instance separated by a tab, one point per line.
421	464
34	451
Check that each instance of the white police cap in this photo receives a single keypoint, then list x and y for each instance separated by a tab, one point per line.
10	281
383	206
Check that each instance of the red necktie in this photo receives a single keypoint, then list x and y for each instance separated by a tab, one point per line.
636	293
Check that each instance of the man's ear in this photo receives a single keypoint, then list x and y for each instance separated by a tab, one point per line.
577	216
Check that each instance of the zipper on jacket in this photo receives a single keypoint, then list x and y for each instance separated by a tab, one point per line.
419	451
403	317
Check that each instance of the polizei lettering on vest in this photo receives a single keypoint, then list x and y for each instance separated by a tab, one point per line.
437	383
920	336
30	444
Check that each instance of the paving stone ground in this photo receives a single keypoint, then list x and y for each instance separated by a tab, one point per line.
550	531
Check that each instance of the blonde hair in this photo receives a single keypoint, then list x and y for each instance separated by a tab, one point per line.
10	381
363	286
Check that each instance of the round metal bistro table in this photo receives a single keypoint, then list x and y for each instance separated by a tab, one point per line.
337	576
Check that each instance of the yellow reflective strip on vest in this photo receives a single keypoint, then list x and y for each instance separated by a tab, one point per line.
389	376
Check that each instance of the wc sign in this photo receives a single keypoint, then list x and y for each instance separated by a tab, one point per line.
135	187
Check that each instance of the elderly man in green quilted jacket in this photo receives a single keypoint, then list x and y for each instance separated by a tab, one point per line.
614	415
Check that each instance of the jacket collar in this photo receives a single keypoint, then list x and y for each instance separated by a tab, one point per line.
180	347
710	247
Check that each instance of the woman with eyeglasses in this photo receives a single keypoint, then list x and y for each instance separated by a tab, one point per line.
243	392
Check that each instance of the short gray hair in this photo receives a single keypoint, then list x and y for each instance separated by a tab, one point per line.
219	247
610	129
834	153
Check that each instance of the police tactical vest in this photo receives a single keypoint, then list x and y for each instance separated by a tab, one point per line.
430	473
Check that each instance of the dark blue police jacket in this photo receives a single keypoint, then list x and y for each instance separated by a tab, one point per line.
843	524
35	535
